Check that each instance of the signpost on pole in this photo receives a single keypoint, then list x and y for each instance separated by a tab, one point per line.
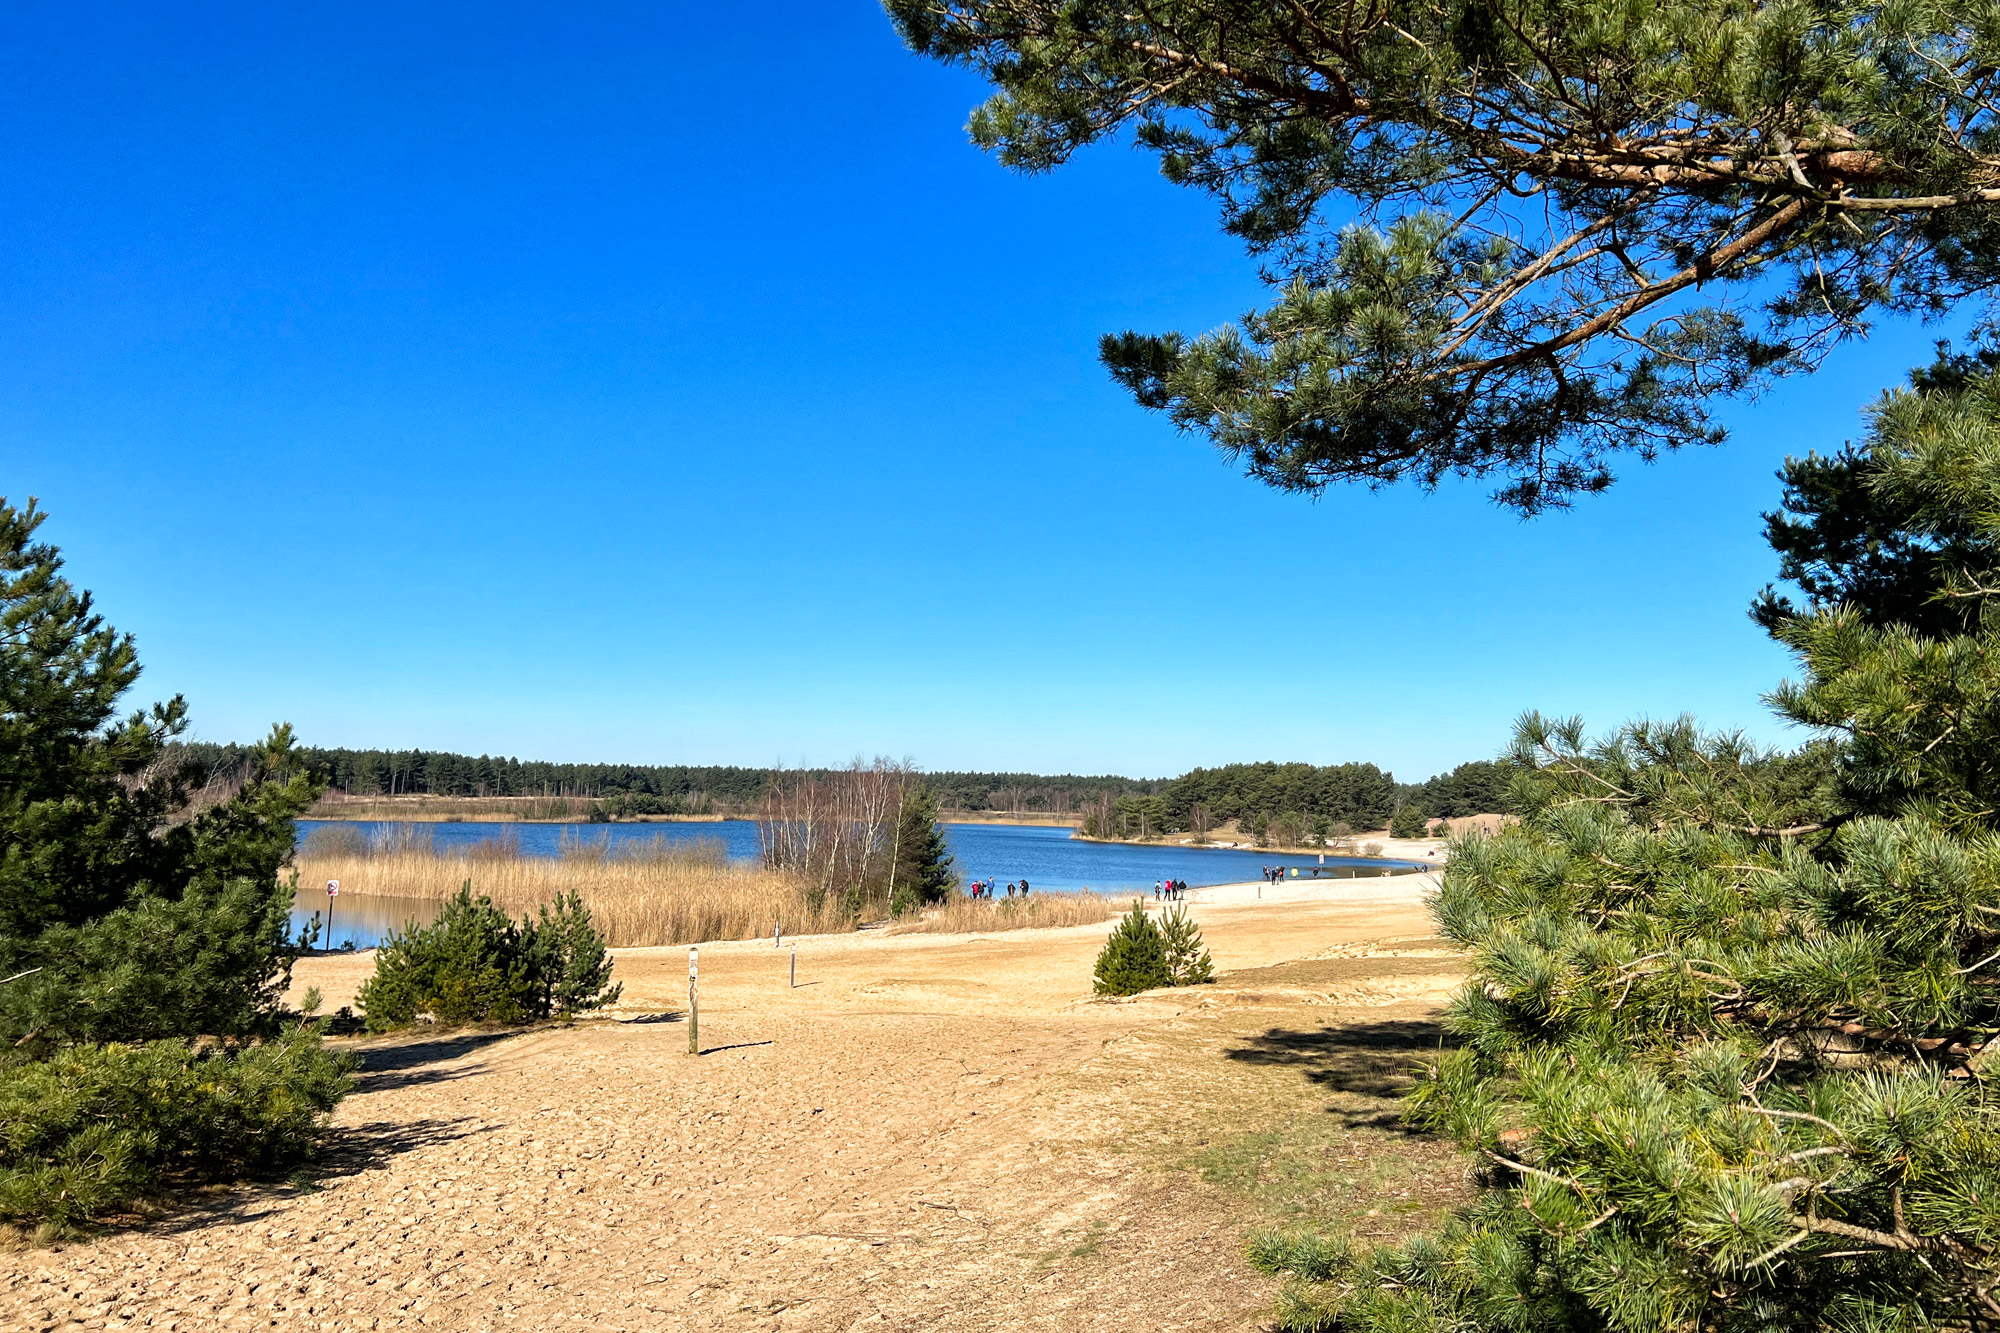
694	1005
332	892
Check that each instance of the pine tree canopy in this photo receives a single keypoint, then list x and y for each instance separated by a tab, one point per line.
128	910
1729	1045
1511	240
923	857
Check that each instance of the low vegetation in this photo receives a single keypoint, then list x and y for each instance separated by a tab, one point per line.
638	891
558	809
94	1131
962	915
1140	955
475	964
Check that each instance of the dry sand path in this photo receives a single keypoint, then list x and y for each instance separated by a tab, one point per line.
930	1132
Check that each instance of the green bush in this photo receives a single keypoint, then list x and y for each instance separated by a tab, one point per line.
1188	963
92	1129
1134	958
475	964
1407	822
570	961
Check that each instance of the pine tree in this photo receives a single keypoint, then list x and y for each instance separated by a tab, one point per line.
1727	1044
1511	240
1188	962
1407	822
1134	956
131	922
131	915
923	858
570	959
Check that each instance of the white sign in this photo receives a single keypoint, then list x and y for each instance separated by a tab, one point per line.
691	965
333	888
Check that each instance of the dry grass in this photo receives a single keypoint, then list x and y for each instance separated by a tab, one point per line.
480	809
959	915
638	893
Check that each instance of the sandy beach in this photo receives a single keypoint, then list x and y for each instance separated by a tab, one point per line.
929	1131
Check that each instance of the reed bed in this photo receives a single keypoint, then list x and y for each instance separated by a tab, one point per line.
639	892
336	805
959	915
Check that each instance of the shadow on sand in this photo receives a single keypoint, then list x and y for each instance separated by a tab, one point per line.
1366	1065
408	1064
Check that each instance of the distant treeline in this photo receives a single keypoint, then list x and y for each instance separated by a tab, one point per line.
1360	796
651	788
1307	801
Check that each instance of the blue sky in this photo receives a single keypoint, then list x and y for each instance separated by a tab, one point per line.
674	383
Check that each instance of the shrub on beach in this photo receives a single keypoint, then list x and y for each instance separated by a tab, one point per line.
1188	963
93	1129
1407	822
1134	957
475	964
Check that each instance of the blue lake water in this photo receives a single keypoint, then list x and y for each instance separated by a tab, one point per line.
1048	858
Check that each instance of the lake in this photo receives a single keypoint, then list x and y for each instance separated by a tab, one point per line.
1048	858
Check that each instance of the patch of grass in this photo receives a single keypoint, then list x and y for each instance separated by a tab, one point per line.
962	915
1092	1239
1314	1171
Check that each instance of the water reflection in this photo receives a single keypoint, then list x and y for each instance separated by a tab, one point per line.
360	920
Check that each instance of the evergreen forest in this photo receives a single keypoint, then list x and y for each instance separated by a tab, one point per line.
1359	796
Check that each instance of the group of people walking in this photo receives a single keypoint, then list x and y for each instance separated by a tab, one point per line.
1276	873
983	888
1170	889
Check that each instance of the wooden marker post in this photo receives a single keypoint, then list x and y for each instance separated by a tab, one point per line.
795	967
694	1004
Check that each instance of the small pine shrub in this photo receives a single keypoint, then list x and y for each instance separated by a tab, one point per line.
570	959
1407	822
1188	963
475	964
1134	957
92	1129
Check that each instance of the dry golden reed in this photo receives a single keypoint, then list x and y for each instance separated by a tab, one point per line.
638	892
959	915
434	809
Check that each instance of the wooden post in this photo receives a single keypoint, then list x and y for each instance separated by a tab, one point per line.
694	1005
795	967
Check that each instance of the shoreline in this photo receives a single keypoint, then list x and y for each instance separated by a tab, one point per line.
1412	851
499	817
